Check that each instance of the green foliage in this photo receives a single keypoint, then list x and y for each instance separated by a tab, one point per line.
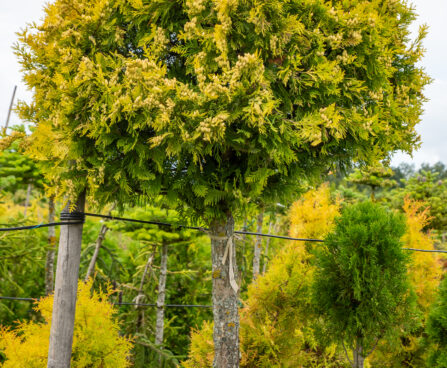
22	255
407	347
361	287
437	329
428	187
17	171
122	261
217	103
374	177
96	339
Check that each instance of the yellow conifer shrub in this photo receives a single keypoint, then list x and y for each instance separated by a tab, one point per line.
425	270
96	340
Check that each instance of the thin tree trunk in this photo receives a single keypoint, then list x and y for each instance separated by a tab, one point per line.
28	194
161	295
10	108
257	248
266	252
225	296
64	305
99	241
49	264
140	296
359	360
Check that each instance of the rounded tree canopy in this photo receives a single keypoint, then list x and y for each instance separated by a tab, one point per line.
218	102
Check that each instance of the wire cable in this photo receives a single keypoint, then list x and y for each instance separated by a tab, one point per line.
122	303
80	216
32	227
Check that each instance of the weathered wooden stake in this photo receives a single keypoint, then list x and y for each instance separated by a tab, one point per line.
67	273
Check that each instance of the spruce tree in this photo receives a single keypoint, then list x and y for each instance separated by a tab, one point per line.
218	104
361	287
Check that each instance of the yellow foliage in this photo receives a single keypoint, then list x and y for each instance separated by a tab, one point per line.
96	340
425	270
313	215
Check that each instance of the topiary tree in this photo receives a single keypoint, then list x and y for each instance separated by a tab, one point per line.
361	287
218	104
437	329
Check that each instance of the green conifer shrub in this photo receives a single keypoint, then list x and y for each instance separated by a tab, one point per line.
437	329
361	287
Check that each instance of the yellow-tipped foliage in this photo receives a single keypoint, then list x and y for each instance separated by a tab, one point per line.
96	340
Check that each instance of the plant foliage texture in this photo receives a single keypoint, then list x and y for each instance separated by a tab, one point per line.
437	329
217	102
96	340
361	286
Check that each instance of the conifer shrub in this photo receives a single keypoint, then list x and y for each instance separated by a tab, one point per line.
361	286
407	347
437	329
96	340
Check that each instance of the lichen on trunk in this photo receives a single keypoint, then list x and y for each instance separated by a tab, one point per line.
225	296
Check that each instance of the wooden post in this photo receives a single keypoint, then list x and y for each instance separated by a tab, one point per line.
67	273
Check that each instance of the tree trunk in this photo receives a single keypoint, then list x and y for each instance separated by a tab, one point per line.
225	296
49	264
140	296
266	252
161	295
257	248
99	240
359	360
64	305
28	195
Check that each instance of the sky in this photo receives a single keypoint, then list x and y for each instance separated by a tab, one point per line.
433	127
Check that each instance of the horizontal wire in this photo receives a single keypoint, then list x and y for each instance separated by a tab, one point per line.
31	227
122	303
426	250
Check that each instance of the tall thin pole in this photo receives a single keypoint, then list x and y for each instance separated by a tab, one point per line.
10	107
67	273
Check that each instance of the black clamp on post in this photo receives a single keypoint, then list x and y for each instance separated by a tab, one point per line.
79	217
